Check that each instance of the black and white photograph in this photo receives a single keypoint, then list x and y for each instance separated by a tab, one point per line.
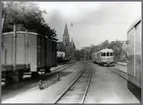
75	52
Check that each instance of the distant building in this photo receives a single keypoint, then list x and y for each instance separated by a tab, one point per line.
67	45
66	38
60	46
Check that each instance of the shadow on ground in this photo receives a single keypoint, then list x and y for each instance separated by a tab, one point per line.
14	89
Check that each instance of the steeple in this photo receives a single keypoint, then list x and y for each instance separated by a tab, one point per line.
66	39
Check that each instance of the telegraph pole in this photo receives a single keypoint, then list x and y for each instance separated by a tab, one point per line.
14	47
1	27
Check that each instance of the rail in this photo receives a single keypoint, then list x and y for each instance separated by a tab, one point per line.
55	71
119	72
89	81
69	87
122	63
60	68
85	92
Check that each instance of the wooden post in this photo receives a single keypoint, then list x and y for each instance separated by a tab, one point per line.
14	47
1	27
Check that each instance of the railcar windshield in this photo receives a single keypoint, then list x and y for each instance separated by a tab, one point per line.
111	54
108	53
103	54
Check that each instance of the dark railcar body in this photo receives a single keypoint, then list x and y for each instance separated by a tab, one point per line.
27	52
46	53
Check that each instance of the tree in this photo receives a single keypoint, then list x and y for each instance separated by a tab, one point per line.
85	52
117	46
77	54
29	16
105	44
119	53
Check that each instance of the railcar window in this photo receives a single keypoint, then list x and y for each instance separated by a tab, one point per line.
111	54
107	53
103	54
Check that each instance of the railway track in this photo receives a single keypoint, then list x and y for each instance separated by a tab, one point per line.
77	91
28	84
60	69
51	73
119	72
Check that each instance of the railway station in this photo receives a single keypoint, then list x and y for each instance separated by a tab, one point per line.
84	53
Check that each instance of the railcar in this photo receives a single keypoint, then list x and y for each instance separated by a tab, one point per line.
26	53
104	57
134	67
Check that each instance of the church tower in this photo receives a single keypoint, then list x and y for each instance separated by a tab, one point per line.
66	39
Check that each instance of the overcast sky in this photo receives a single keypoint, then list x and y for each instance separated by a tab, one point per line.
93	22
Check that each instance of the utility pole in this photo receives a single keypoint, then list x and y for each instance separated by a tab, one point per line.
1	27
14	47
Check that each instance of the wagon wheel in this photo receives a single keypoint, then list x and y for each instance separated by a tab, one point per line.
112	64
16	76
47	70
34	74
8	80
21	76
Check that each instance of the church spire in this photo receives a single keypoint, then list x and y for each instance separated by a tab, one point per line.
66	39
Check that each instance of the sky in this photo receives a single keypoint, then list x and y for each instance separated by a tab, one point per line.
93	22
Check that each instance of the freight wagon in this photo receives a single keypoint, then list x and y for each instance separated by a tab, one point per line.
134	64
26	52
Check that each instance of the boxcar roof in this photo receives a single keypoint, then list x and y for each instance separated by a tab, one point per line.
7	33
134	23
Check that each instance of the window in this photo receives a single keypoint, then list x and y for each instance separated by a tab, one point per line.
111	54
103	54
107	53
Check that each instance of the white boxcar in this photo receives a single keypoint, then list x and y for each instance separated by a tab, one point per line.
134	67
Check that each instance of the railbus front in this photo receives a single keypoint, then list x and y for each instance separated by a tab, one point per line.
104	57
